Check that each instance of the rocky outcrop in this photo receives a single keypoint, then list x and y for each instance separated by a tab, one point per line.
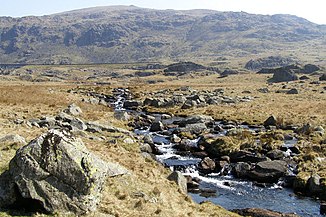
58	173
284	76
323	77
183	67
268	62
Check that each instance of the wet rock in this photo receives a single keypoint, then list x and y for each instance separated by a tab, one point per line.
58	172
73	110
180	180
271	121
257	212
222	166
246	156
323	208
157	126
268	171
207	165
241	169
275	154
293	91
175	139
300	183
313	185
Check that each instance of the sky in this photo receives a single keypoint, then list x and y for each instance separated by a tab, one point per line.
313	10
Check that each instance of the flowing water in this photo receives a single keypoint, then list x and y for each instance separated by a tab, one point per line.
231	193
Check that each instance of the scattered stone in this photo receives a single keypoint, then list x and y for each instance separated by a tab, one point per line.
157	126
73	110
268	171
13	139
128	141
284	76
146	148
293	91
206	165
189	104
271	121
180	180
121	115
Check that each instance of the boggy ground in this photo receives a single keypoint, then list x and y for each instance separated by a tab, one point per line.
144	192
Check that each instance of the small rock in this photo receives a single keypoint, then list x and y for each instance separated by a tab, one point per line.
128	140
146	148
271	121
293	91
14	138
157	126
179	179
121	115
207	165
73	110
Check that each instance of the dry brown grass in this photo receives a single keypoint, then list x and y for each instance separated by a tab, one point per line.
144	192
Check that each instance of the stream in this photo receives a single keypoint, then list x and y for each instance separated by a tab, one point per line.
224	190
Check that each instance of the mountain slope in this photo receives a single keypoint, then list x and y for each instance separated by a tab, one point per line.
129	33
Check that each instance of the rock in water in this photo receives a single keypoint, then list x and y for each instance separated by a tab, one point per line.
58	172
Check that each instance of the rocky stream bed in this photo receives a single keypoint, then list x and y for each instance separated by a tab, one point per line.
235	180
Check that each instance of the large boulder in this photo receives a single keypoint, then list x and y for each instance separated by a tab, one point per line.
284	76
268	62
57	172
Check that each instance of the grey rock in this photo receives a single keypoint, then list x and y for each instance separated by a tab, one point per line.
313	185
241	169
189	104
148	139
268	171
121	115
96	127
156	126
60	173
293	91
74	122
194	119
271	121
275	154
14	138
180	180
73	110
7	190
207	165
322	77
284	76
175	139
132	104
196	128
146	148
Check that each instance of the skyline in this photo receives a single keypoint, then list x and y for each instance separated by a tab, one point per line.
312	10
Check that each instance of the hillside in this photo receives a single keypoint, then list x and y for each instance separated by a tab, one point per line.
132	34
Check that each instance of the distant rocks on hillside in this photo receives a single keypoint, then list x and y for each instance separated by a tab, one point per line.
284	76
269	62
183	67
306	69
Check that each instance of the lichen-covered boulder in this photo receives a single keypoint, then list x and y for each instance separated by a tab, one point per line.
59	172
